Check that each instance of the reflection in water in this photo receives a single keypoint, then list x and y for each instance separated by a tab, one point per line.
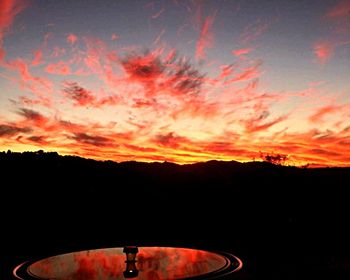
152	263
131	270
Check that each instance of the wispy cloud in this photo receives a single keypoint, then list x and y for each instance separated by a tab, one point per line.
33	117
158	14
340	10
205	39
158	74
41	87
59	68
38	58
78	94
38	139
8	10
114	37
242	52
338	18
248	73
320	113
258	123
91	139
253	31
105	99
10	130
85	98
169	140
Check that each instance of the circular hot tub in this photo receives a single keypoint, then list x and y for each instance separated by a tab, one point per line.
150	263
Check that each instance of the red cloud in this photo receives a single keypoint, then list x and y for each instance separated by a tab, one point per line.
141	103
253	31
196	107
72	39
339	18
38	58
205	37
92	139
29	101
340	10
140	149
81	96
156	88
57	51
33	117
144	68
69	126
84	97
95	56
38	139
255	125
8	10
10	130
323	51
114	37
242	52
157	75
59	68
39	86
329	152
170	140
249	73
157	15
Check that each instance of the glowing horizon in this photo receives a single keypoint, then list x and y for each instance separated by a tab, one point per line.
177	81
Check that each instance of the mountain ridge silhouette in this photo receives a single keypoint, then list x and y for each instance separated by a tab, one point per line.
295	217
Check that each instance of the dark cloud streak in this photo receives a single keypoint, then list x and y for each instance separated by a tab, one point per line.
91	139
9	130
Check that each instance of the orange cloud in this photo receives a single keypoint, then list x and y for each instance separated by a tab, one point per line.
100	143
164	108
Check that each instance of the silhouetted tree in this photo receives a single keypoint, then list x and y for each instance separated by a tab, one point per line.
277	159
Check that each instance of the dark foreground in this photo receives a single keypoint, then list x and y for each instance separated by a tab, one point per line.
283	222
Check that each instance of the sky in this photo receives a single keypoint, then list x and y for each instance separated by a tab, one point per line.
179	81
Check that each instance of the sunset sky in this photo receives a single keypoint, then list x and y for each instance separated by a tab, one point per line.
180	81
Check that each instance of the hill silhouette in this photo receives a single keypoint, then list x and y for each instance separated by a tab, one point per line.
284	222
